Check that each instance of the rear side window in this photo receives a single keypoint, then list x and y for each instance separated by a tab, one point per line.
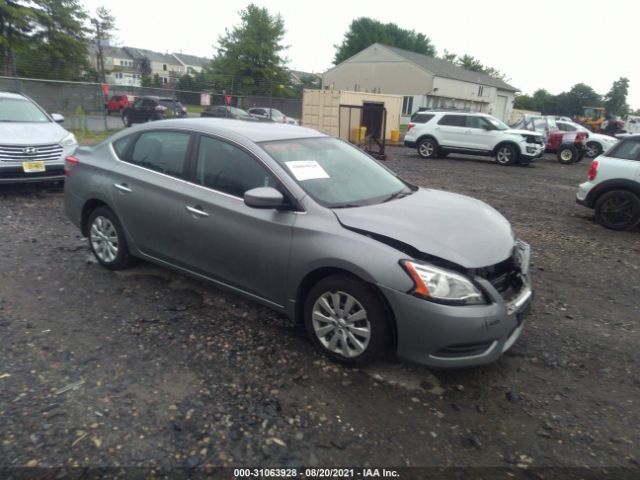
629	150
228	169
452	120
422	117
164	152
121	146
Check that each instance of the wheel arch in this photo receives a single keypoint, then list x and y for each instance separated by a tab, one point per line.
425	137
507	142
314	276
609	185
87	208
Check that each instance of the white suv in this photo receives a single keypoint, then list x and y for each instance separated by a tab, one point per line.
473	134
613	189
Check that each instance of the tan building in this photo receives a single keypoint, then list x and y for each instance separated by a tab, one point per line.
424	82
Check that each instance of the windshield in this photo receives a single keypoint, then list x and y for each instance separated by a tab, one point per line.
16	110
336	174
237	111
498	124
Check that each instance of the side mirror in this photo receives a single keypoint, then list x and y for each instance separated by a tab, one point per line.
264	197
57	117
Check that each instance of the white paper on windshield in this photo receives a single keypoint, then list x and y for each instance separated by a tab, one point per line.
306	170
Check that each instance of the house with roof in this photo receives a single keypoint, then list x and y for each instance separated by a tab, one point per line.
423	81
118	63
191	63
165	65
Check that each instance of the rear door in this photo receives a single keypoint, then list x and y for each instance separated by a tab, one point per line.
451	131
148	192
228	241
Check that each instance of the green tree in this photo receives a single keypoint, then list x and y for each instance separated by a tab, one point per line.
249	56
471	63
616	99
364	32
16	23
104	25
60	40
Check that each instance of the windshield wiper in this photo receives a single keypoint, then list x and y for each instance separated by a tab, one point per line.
398	194
347	205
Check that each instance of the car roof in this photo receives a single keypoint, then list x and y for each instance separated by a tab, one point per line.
239	129
451	112
14	95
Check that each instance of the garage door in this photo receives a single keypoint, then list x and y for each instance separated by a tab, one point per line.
501	107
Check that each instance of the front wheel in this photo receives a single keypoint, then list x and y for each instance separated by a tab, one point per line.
107	240
568	154
126	120
618	210
593	149
428	148
346	320
506	155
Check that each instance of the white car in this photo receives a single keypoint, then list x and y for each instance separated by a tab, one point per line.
33	145
271	114
613	188
596	143
474	134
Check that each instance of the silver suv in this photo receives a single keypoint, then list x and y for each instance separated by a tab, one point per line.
473	134
32	144
613	188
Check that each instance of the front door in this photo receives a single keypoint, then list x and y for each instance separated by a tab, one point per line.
148	192
480	134
228	241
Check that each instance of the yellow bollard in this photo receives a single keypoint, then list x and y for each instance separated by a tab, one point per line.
356	135
363	134
395	136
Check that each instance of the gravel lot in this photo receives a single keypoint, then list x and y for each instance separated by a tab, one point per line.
150	368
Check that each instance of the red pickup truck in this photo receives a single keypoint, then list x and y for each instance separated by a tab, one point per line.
118	102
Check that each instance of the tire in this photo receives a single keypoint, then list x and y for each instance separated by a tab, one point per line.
593	149
107	240
618	210
506	155
126	120
357	341
442	153
567	154
428	148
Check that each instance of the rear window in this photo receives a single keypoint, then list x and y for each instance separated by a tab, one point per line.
452	120
422	117
116	98
626	150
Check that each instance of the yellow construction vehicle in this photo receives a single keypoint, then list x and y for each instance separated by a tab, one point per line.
592	118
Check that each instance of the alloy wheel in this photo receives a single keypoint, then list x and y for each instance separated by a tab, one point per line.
617	211
104	239
341	324
593	150
504	155
427	149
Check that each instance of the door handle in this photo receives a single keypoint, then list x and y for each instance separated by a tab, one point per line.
197	210
123	187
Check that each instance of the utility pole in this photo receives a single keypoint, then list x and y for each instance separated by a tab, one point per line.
100	65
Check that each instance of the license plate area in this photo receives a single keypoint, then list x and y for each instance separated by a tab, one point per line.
33	167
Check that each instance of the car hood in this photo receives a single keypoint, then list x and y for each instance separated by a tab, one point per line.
449	226
31	133
517	131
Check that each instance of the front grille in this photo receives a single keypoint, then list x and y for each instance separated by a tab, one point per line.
30	153
464	350
505	277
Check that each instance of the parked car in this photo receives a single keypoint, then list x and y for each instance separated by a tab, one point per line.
312	227
117	103
473	134
596	142
174	107
33	145
144	109
569	147
271	114
613	186
224	111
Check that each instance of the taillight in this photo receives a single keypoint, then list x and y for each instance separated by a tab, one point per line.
68	163
593	170
410	126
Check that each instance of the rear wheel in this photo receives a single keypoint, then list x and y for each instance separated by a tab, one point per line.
126	120
567	154
618	210
346	320
428	148
107	240
506	155
593	149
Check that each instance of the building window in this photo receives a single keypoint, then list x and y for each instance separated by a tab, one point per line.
480	91
118	75
407	105
165	80
164	67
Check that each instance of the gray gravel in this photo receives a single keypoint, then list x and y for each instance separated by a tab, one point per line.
150	368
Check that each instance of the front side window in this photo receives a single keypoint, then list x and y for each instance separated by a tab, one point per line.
17	110
226	168
335	173
495	123
477	122
452	121
629	150
164	152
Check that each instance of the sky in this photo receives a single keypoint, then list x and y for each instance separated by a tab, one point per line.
537	44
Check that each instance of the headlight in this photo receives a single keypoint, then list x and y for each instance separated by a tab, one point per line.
441	285
69	141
